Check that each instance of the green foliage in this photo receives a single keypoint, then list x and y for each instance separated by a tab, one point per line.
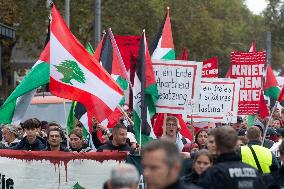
71	70
274	20
206	28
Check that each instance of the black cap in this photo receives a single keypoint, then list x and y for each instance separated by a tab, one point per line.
239	119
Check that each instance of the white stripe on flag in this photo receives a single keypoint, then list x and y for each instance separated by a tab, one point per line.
22	105
92	85
159	51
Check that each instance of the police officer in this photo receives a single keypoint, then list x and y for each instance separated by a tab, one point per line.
229	172
161	166
256	155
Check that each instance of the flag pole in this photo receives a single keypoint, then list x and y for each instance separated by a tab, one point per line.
143	83
66	121
120	58
267	124
125	114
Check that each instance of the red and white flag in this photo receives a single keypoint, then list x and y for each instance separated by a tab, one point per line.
76	75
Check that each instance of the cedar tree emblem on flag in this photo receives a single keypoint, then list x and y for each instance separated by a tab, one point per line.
70	70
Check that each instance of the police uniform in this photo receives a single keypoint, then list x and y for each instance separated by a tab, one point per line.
230	173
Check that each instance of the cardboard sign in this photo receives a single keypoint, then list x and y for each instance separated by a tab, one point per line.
218	100
177	83
248	67
63	170
210	68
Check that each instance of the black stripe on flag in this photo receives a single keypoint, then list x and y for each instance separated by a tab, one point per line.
106	54
157	36
140	71
80	110
141	61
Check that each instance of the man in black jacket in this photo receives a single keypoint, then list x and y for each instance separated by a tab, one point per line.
118	143
161	162
54	140
31	142
229	172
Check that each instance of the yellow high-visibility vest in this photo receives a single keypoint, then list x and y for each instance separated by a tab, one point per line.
263	155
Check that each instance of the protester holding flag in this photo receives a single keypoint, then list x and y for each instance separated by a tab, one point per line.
118	142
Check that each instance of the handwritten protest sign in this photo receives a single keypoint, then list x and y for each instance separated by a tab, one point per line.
248	67
177	83
218	100
210	68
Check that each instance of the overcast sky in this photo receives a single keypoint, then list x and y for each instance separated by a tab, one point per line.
256	6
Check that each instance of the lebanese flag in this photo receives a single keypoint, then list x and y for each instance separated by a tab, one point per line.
76	75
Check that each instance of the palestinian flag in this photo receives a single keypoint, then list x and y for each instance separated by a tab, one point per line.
281	97
263	111
76	75
271	88
252	47
162	46
97	53
15	107
89	48
145	94
111	60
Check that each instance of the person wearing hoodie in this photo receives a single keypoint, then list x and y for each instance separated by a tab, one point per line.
118	142
31	142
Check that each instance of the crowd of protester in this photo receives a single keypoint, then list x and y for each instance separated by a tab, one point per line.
225	156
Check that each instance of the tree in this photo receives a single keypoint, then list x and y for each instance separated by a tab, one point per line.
274	19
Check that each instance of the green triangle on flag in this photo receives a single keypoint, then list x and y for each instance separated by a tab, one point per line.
162	46
271	86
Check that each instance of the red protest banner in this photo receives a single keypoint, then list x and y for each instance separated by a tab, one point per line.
210	68
125	45
248	67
